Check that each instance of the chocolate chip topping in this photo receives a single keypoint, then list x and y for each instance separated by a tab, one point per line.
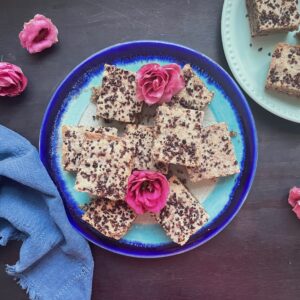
195	95
105	167
178	135
73	138
111	218
284	72
140	138
267	16
117	100
183	215
217	154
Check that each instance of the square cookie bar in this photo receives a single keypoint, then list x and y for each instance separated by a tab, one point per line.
178	136
217	154
195	95
140	138
105	167
73	138
267	17
117	99
183	215
111	218
284	72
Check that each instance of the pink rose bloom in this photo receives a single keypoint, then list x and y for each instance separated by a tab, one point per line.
147	191
158	84
12	80
294	200
38	34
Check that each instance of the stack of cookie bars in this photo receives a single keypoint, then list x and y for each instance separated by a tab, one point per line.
103	161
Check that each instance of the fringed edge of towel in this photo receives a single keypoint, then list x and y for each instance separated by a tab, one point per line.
17	236
23	283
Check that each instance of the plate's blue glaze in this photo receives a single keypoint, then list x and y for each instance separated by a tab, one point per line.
70	104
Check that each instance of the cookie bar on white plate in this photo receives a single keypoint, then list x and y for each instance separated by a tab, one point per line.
284	72
217	154
111	218
195	95
273	16
117	99
105	167
140	138
178	136
183	215
73	138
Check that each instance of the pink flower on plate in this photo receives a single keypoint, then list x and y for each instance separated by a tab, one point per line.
294	200
147	191
38	34
12	80
156	84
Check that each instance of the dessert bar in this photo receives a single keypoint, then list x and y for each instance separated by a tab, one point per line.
178	136
105	167
183	215
273	16
111	218
73	138
284	72
140	138
195	95
217	154
117	100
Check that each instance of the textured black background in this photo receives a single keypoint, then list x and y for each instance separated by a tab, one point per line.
258	255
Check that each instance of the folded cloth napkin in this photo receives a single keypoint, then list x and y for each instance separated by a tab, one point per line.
55	262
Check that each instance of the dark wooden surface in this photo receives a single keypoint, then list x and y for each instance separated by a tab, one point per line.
258	255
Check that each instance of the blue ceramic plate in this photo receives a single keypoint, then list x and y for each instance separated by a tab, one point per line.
222	199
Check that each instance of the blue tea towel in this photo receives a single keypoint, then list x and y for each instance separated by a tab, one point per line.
55	262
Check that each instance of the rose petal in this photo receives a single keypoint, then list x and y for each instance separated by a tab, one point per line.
296	209
155	93
294	196
135	186
6	81
152	195
175	83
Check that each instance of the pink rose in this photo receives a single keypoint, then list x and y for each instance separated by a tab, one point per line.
158	84
12	80
294	200
38	34
147	191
